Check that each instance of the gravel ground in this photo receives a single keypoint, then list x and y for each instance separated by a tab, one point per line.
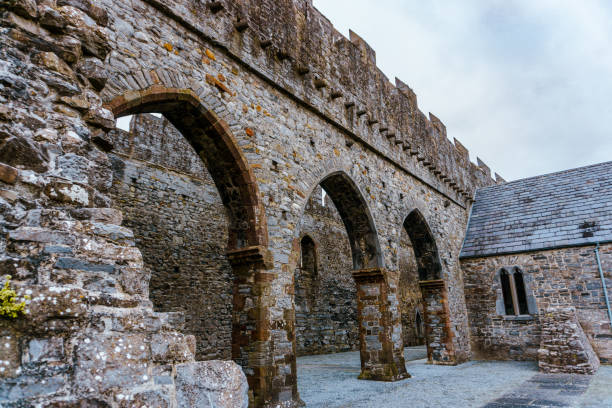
330	381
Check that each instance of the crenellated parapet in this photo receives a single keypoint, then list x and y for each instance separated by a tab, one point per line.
291	44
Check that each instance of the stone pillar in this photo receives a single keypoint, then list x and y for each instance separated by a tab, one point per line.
251	339
438	329
380	344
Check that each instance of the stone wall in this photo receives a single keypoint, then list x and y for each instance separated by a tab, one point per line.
410	295
169	200
558	278
329	323
269	128
564	347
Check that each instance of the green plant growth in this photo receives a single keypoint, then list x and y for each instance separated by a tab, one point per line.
8	304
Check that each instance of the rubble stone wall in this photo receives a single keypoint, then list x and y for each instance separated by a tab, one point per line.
556	279
169	200
327	322
564	347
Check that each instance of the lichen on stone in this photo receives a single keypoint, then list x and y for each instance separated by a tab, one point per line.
9	307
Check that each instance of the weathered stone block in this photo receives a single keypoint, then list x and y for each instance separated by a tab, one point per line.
93	69
8	174
44	350
211	384
20	152
111	363
168	347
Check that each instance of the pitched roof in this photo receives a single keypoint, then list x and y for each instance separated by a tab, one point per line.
568	208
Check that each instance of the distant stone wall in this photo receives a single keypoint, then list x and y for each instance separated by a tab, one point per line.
558	278
169	200
327	323
410	294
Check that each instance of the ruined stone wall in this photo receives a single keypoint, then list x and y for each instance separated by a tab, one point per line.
247	103
329	325
169	200
409	294
557	278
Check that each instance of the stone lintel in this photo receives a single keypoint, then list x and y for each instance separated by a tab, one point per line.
432	284
369	274
253	255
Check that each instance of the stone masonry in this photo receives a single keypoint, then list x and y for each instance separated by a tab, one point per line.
557	278
275	103
564	346
161	187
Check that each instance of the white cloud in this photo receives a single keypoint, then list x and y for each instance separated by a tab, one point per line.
525	85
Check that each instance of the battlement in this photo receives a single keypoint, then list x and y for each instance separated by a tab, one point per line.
296	47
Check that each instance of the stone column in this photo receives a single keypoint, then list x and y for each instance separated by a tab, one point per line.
438	329
380	344
251	339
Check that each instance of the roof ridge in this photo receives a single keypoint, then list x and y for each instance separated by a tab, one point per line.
576	169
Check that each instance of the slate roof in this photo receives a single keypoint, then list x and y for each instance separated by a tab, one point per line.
569	208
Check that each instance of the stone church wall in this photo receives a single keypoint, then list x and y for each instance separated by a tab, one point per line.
330	323
169	200
557	278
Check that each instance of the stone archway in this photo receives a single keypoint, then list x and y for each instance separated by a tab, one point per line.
381	355
436	312
247	252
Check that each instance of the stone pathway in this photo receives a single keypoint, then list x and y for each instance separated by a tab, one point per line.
330	381
545	390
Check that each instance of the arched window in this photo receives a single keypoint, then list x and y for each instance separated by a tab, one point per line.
309	256
305	276
513	292
521	294
419	324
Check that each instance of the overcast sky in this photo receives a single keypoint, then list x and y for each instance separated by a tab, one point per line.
526	85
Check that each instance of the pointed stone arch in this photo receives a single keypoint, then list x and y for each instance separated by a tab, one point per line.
357	219
248	254
381	350
424	245
434	293
213	141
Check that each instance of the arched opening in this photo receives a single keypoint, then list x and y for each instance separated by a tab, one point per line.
189	195
355	215
521	293
409	294
424	246
504	278
350	309
421	286
418	323
306	284
325	292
